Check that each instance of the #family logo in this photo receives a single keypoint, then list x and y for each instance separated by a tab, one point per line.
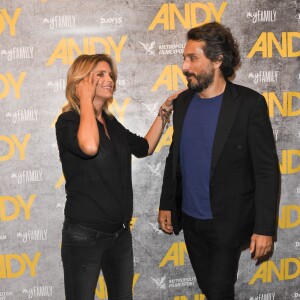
28	176
57	85
18	53
39	291
264	77
267	296
55	22
23	115
262	16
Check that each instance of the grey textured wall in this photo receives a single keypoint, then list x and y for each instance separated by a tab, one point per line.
39	40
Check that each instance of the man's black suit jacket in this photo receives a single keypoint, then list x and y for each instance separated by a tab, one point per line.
244	176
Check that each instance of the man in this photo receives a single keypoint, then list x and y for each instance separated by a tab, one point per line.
221	177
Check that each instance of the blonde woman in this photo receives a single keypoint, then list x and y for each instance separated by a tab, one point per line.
95	151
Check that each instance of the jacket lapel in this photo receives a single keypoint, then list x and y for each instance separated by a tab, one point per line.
228	111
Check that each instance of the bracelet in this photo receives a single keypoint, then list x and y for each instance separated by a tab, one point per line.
161	109
164	115
159	112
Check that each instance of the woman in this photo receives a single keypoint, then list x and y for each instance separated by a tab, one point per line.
95	152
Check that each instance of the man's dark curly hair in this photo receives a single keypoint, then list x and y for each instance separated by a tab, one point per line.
219	45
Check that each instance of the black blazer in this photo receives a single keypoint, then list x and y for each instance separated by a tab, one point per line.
244	176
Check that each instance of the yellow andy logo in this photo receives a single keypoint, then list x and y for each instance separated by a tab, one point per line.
11	144
290	161
8	81
196	297
170	78
176	254
165	140
285	107
169	15
289	216
10	207
9	20
267	41
288	269
15	265
68	49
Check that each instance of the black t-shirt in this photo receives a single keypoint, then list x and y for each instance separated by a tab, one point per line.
98	188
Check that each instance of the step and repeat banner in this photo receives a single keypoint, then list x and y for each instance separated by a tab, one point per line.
39	39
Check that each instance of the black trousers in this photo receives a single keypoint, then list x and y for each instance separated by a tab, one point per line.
214	264
86	251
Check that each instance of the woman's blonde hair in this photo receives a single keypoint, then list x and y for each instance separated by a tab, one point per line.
80	68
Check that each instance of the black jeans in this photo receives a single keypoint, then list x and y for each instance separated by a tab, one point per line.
215	265
86	251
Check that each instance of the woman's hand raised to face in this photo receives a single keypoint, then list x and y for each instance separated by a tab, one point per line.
86	88
88	134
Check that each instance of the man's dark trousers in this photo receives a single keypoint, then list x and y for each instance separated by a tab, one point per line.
215	265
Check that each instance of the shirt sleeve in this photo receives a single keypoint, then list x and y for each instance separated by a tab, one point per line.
138	145
66	134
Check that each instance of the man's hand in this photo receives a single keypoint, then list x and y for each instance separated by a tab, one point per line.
260	245
164	220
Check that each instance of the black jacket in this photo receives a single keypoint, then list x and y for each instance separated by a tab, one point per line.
244	176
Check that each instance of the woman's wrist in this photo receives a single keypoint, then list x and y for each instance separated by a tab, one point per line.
164	114
162	111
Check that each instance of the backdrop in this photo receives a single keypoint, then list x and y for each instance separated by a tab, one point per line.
39	39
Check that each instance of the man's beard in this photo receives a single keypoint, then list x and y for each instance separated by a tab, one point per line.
204	80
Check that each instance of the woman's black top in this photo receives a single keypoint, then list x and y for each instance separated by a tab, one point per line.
99	187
